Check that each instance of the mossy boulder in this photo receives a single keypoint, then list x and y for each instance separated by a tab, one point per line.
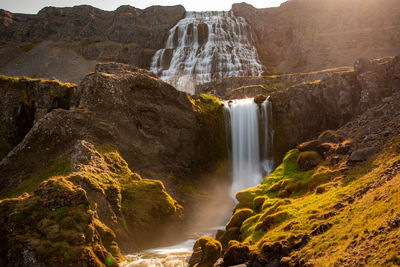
308	160
308	146
230	234
239	217
55	225
206	251
238	253
272	220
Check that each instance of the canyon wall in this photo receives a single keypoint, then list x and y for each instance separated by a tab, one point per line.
307	35
68	42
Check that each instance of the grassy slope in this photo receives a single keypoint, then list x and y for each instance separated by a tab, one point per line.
52	218
287	207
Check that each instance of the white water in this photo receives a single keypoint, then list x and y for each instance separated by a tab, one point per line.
205	46
267	162
171	256
249	163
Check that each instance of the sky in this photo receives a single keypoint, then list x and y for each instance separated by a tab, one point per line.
33	6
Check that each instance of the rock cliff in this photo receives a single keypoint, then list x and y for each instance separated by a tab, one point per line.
68	190
79	37
304	110
307	35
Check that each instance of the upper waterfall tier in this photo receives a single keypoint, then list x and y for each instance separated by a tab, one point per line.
205	46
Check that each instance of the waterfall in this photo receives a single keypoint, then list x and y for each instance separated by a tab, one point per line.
205	46
250	126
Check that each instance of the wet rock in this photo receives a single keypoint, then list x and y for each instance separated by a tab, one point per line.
309	160
206	251
362	154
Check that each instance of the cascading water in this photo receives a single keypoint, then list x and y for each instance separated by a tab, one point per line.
205	46
250	126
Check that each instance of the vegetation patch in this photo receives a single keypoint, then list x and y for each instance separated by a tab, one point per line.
333	225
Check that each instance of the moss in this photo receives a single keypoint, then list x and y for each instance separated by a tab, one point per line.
239	217
210	251
19	82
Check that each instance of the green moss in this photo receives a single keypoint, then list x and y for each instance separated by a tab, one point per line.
59	167
239	217
210	251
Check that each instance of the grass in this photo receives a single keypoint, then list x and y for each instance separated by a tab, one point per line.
278	218
19	80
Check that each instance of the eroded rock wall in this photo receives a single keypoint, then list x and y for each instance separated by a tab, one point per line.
307	35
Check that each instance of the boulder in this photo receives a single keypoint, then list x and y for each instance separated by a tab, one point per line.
330	136
206	251
309	160
232	233
236	254
308	146
362	154
239	217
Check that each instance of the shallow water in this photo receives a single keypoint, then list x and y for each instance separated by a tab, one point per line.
172	256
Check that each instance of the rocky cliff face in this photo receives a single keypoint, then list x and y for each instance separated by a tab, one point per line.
152	124
23	102
68	186
304	110
146	28
81	36
306	35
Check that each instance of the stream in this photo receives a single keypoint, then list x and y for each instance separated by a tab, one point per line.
172	256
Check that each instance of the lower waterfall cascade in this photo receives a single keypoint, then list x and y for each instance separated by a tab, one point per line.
206	46
251	129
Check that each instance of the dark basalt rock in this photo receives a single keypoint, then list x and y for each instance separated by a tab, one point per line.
362	154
